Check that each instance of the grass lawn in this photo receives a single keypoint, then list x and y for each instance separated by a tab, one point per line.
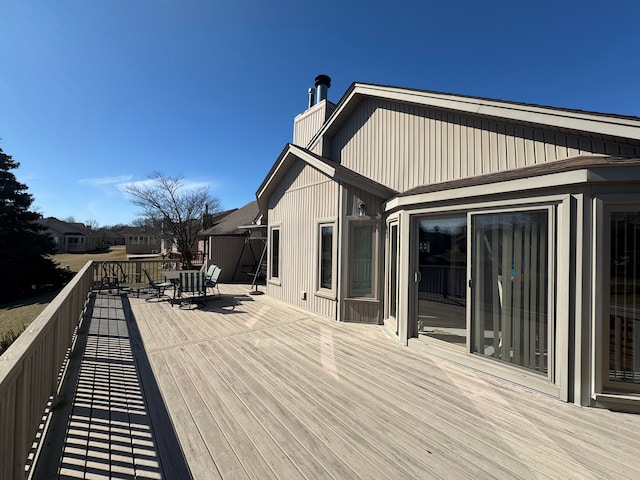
15	316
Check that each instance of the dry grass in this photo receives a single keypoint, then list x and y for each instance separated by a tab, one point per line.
15	316
76	261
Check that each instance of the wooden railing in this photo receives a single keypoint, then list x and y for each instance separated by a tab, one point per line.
130	272
30	371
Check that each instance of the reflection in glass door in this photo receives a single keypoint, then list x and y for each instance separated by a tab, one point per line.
442	263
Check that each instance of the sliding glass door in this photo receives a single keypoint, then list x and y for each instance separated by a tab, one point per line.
623	298
510	287
442	271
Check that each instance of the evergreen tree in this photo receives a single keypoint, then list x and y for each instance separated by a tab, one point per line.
24	245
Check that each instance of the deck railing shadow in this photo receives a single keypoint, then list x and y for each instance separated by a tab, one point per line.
35	368
114	421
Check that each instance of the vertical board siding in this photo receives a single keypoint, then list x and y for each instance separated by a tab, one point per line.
361	311
226	252
405	146
308	123
302	198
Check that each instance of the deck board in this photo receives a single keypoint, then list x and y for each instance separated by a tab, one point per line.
252	388
270	391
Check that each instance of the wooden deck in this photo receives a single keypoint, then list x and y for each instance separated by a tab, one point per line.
256	389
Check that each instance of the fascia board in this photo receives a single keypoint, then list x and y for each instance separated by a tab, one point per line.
522	184
312	160
581	121
378	190
288	156
573	120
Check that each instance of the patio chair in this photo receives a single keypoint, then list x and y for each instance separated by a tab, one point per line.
194	284
210	271
212	280
157	288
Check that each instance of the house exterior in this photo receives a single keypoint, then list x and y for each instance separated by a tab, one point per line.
72	237
500	235
236	242
141	240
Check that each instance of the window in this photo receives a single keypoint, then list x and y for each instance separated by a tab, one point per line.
325	261
275	253
622	300
393	271
362	250
510	274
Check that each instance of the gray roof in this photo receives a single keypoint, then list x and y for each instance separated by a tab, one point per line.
229	224
574	163
64	228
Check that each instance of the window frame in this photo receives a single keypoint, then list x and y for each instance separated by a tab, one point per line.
373	294
320	289
552	311
277	278
605	205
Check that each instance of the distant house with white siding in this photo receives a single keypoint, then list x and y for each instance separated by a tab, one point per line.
500	235
141	240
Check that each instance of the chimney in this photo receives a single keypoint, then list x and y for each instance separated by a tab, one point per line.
323	82
312	94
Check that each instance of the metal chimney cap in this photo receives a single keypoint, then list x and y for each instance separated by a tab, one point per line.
323	80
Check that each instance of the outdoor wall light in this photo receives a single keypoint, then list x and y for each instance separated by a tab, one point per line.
362	209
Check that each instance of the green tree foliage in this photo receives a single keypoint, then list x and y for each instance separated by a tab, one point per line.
24	245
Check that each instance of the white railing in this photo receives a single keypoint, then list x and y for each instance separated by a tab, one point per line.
30	371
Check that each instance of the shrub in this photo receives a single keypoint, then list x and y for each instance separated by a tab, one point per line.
6	339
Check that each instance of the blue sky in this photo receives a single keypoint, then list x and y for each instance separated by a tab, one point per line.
94	94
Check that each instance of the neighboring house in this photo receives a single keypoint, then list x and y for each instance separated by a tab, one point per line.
111	237
72	237
233	245
500	235
199	248
141	240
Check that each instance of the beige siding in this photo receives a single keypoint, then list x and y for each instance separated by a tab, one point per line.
367	310
226	252
303	197
405	146
308	123
362	311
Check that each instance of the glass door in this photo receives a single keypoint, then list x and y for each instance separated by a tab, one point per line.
442	286
510	287
622	316
392	268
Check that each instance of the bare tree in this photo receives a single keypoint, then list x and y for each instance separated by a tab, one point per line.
91	224
177	209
